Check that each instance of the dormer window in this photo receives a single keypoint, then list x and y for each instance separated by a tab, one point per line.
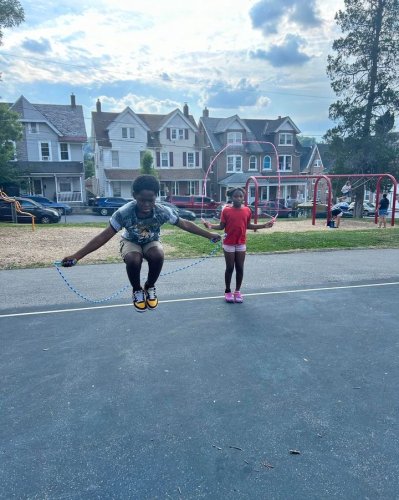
127	133
177	134
286	139
234	138
33	128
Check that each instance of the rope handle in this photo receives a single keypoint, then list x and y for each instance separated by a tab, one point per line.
67	263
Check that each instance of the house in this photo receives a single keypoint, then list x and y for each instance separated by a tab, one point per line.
236	149
120	139
316	160
49	157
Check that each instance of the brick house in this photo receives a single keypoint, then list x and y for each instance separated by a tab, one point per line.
120	139
49	157
236	149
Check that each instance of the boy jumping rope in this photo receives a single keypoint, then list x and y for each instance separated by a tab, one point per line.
141	220
235	219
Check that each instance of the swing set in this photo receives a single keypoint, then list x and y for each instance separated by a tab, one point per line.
327	179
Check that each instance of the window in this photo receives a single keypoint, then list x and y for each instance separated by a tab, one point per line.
234	138
164	160
234	163
317	163
45	151
65	185
190	160
285	139
177	133
175	188
115	158
64	151
267	163
117	188
127	132
33	128
253	163
285	162
192	186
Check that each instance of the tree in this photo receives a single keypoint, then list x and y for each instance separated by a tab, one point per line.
147	162
88	163
365	75
10	133
11	14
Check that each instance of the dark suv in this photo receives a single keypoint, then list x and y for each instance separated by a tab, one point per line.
42	215
108	205
62	208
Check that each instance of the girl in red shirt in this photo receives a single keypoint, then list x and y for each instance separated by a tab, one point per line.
235	219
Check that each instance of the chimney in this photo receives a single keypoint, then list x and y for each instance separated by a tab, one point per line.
73	101
205	112
98	106
185	109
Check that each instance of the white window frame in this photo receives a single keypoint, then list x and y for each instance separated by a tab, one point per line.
33	128
234	138
192	187
286	139
282	163
68	151
318	163
177	134
270	163
117	188
127	132
175	188
44	157
190	163
234	163
164	160
253	163
65	180
114	158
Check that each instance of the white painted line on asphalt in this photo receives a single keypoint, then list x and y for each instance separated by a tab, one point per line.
193	299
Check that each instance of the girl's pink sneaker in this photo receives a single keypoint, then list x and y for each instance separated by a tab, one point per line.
238	297
229	297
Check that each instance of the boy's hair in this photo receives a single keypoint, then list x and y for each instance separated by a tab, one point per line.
231	191
146	182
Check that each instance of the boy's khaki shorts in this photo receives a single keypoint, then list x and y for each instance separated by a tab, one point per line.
126	246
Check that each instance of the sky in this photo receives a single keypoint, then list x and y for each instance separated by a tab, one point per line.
255	58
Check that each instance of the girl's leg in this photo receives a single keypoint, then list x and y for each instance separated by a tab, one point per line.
239	265
229	258
133	261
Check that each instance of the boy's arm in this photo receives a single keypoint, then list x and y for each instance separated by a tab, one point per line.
251	225
190	227
94	244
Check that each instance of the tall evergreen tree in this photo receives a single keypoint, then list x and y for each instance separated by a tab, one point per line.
11	14
10	133
364	74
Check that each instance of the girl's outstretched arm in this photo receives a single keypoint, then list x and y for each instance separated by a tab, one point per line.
208	225
251	225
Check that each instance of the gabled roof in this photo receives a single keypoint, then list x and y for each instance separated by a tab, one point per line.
121	117
325	155
67	121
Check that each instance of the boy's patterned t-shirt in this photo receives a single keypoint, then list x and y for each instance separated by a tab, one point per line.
141	231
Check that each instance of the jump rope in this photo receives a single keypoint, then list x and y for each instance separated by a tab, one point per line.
217	242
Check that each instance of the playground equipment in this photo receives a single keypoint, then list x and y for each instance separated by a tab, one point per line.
16	208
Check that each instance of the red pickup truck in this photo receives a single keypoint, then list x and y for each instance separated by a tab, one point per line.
202	205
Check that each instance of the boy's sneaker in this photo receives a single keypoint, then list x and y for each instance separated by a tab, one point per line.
139	301
238	297
229	297
151	298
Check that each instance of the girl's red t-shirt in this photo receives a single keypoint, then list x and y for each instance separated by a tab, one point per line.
236	221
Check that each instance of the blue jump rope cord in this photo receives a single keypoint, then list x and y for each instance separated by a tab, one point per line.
57	265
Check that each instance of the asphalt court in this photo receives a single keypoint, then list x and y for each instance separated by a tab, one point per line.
203	399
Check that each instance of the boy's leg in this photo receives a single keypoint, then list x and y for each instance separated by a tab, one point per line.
154	255
133	261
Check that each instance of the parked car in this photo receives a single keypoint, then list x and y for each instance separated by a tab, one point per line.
42	214
271	208
305	209
368	208
108	205
181	212
62	208
345	208
198	204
